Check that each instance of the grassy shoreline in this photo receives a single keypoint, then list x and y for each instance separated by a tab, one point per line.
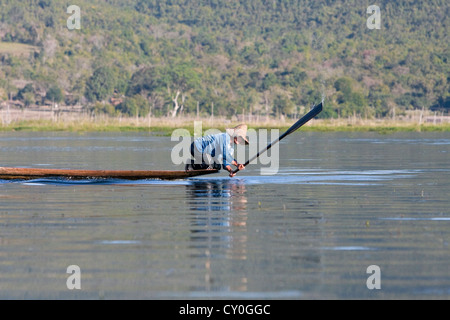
167	128
167	125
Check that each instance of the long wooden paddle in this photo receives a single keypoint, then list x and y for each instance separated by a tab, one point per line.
311	114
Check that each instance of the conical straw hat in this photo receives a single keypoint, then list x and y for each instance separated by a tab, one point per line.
239	131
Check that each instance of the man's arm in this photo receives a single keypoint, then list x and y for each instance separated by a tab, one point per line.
227	156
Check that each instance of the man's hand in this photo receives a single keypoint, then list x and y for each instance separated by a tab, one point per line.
230	170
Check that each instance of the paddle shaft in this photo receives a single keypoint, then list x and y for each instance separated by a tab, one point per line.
311	114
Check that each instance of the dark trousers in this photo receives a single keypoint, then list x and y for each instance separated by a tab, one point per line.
202	160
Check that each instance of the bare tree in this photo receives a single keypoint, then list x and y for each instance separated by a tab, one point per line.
176	106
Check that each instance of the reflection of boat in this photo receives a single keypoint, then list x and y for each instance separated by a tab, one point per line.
32	173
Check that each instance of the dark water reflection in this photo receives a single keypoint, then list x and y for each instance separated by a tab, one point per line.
218	220
217	210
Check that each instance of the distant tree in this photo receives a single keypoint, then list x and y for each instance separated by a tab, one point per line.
144	81
269	81
145	46
128	107
344	85
146	6
180	80
101	85
207	41
134	106
283	104
29	99
54	94
443	104
21	93
45	3
103	108
297	76
350	101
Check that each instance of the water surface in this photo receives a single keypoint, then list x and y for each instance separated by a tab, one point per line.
339	203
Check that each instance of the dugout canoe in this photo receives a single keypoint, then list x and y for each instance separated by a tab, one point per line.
34	173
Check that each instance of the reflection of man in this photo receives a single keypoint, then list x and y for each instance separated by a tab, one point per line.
218	195
226	197
216	150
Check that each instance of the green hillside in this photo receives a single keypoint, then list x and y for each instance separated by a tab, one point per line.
260	56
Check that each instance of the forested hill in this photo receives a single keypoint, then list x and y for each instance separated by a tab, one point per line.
260	56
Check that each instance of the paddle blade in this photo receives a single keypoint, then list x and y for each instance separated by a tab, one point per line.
311	114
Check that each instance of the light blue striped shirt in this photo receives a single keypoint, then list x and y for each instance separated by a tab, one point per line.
218	146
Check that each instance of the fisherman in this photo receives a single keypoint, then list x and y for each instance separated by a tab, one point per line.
216	151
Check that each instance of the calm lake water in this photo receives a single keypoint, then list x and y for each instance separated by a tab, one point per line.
340	203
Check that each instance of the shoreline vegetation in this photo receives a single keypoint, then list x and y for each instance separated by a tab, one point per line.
24	120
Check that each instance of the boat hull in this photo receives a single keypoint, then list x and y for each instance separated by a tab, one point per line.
7	173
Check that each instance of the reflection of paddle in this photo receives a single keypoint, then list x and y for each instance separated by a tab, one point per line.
311	114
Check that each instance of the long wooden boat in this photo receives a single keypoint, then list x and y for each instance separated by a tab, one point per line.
33	173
